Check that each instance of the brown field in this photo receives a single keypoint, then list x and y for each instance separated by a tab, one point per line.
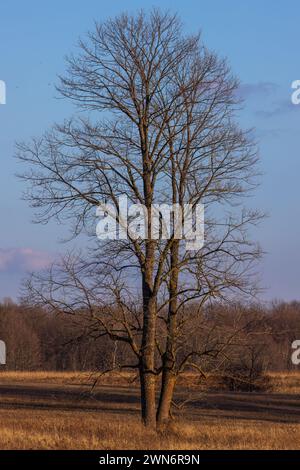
46	410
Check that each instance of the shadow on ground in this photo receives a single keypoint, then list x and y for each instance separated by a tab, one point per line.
279	408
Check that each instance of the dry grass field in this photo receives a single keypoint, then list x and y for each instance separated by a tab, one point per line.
58	411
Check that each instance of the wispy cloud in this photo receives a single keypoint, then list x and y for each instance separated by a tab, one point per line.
23	259
247	90
283	107
269	133
267	94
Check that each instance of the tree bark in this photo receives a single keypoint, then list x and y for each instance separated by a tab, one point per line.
148	405
147	365
166	397
169	375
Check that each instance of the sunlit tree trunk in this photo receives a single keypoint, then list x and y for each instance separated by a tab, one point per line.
169	375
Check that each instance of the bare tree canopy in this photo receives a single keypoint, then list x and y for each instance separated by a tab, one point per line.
158	124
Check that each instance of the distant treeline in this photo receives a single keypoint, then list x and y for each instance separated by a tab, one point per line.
37	340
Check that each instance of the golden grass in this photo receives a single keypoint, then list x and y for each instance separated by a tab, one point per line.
54	377
282	382
285	382
54	421
44	429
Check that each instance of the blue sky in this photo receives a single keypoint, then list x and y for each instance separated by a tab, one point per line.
260	40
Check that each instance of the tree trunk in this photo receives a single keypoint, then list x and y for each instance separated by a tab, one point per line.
169	375
166	397
147	363
148	405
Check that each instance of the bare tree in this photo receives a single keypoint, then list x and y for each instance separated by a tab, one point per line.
159	126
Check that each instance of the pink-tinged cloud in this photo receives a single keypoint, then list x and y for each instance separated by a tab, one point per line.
23	259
